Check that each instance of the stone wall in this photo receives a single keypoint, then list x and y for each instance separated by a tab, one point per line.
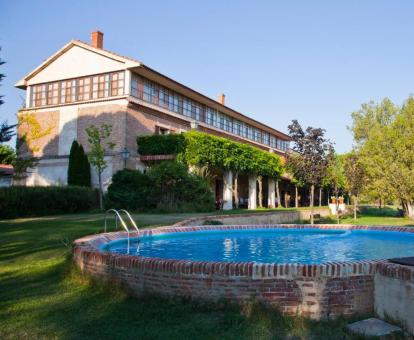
394	294
273	217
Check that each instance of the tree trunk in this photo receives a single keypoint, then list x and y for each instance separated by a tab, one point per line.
410	209
320	197
236	190
355	207
337	204
296	197
277	194
312	192
100	190
260	181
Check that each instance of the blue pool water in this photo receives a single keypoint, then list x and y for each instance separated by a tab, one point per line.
274	245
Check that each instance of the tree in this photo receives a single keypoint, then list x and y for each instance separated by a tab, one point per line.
85	168
310	157
99	145
6	131
73	163
384	136
79	172
355	177
7	154
335	178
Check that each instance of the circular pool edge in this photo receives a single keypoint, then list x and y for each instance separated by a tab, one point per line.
318	291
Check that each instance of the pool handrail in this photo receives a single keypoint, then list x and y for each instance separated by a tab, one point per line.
130	218
118	216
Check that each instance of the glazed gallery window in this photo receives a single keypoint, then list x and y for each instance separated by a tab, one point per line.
80	89
154	93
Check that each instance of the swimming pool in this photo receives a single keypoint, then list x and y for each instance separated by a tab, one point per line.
316	271
277	245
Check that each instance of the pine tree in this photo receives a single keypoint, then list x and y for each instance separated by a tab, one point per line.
72	168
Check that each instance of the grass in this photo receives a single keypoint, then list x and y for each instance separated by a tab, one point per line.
43	296
369	215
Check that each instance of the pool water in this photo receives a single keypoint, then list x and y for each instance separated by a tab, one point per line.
271	245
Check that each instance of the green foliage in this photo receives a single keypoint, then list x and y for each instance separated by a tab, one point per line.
167	186
73	162
203	149
212	222
170	144
210	152
99	145
97	139
130	189
175	189
385	148
7	154
335	174
79	170
20	201
354	173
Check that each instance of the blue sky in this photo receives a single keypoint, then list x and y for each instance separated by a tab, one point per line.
315	61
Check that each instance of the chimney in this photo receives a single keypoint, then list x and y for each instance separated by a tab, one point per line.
221	98
97	39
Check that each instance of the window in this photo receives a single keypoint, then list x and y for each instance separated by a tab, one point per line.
156	94
117	83
84	89
161	131
67	91
39	95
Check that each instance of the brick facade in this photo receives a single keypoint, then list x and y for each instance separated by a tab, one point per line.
315	291
48	121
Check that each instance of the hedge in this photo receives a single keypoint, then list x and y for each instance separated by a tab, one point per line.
160	144
22	201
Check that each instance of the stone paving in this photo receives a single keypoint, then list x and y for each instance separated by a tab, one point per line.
373	327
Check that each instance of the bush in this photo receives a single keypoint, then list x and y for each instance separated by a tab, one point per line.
20	201
167	186
130	189
177	190
160	144
212	222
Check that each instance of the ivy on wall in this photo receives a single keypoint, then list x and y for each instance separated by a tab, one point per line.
201	149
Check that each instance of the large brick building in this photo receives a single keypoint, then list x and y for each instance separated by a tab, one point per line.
84	84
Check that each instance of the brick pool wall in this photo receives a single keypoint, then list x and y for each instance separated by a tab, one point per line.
315	291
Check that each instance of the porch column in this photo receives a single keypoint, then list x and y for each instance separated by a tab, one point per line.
252	192
227	190
271	193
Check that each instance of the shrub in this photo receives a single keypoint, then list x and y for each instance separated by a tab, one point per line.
212	222
177	190
167	186
20	201
130	189
160	144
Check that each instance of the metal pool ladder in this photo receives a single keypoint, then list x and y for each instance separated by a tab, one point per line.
119	217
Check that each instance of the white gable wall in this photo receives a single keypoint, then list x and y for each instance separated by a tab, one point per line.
76	62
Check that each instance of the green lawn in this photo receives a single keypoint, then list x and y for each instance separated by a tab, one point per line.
374	216
43	296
